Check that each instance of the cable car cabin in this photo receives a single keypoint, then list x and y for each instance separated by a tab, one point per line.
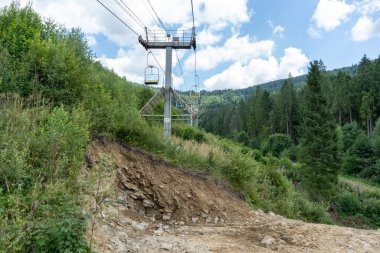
178	105
195	93
152	75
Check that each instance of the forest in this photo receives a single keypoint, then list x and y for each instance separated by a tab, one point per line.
274	122
55	99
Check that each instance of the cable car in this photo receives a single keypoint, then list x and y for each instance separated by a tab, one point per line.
178	104
151	73
195	91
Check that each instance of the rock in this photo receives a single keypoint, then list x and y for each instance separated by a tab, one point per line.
194	219
165	217
272	213
204	215
260	211
166	246
181	223
148	203
268	240
221	220
121	200
165	227
216	220
161	186
138	225
159	231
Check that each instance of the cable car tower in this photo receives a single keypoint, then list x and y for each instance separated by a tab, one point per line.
168	40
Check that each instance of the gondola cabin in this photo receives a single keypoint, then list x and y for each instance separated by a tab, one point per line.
178	105
152	75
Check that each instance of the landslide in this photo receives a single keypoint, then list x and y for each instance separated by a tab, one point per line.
158	207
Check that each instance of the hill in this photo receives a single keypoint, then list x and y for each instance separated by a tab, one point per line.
233	96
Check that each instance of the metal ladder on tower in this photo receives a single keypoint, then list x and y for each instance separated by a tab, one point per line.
153	102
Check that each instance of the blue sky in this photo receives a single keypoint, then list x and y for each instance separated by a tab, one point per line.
240	43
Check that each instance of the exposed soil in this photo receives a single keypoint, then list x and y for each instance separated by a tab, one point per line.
162	208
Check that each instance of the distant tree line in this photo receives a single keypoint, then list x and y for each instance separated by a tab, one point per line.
279	121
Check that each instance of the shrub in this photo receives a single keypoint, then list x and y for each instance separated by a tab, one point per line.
277	143
189	133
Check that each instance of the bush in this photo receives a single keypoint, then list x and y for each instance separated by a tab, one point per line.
277	143
189	133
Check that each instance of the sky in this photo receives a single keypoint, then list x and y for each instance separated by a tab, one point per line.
240	43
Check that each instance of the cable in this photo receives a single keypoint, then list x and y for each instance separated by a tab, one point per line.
130	15
192	11
155	58
117	17
150	13
155	13
180	67
136	18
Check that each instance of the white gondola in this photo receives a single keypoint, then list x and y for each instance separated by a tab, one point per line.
151	73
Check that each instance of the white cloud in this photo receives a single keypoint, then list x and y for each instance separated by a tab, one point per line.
279	31
259	71
331	13
314	33
365	29
234	49
367	7
91	40
208	37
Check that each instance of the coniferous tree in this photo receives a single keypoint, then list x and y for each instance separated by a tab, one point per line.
289	108
319	151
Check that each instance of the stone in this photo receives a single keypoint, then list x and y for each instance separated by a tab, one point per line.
159	231
260	211
268	240
121	201
147	203
221	220
166	246
272	213
161	186
216	220
204	215
181	223
138	225
165	217
194	219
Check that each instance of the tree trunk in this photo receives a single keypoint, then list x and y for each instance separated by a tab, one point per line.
350	114
340	117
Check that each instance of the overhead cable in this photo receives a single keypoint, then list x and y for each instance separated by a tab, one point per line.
180	67
155	13
130	28
135	17
192	11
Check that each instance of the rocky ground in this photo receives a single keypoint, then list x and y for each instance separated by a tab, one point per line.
161	208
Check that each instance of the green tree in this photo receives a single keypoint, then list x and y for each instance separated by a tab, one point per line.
289	108
319	151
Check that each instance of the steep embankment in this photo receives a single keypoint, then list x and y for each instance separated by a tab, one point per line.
159	207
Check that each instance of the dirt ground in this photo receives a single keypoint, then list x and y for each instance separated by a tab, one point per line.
161	208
